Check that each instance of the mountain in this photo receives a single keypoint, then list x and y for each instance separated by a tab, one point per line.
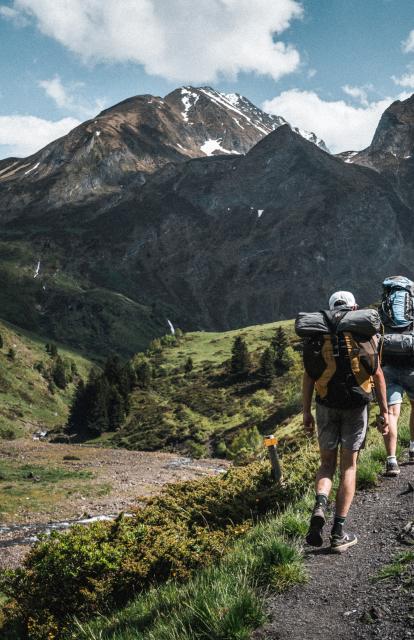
212	242
391	151
122	145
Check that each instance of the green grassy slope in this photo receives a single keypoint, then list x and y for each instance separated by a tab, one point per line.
205	411
29	401
67	306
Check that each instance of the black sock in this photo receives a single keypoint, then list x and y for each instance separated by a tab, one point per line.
338	524
321	500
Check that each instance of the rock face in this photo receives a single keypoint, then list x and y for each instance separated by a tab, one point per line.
392	149
122	145
210	242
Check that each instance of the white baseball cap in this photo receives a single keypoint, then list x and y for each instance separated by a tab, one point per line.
341	299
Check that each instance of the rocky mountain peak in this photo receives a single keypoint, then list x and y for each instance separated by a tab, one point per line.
125	143
395	132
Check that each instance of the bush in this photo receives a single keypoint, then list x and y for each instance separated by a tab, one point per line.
96	568
245	445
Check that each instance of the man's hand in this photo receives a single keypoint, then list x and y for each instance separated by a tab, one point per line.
382	423
308	423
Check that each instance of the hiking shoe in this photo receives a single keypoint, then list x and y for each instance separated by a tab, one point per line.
340	542
391	469
317	523
411	457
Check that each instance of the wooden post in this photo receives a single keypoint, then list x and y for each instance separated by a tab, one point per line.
271	444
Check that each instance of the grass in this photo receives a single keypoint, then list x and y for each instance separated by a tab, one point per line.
372	459
401	567
200	413
86	313
223	602
37	488
28	404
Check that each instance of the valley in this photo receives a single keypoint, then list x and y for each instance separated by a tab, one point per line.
151	261
46	486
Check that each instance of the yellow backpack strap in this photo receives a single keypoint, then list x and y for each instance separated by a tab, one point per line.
362	377
321	384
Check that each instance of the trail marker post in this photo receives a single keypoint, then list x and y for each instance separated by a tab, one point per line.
271	444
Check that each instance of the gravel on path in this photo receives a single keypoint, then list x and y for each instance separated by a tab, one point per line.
341	601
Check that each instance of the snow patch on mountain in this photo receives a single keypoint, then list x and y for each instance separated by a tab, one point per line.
189	100
223	101
210	146
32	169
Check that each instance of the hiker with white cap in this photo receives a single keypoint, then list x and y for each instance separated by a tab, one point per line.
341	361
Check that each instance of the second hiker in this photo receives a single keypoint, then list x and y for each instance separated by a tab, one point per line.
341	361
397	315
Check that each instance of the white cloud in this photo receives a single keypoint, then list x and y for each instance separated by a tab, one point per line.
408	45
359	93
23	135
176	39
65	97
341	125
8	13
407	79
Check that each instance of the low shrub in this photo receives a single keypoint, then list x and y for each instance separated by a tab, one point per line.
94	569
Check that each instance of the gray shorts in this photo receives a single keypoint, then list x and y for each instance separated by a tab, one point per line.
345	427
398	380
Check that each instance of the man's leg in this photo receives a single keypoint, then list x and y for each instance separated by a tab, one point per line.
323	486
411	449
346	491
326	471
390	439
347	483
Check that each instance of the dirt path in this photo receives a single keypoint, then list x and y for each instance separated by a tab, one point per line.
341	601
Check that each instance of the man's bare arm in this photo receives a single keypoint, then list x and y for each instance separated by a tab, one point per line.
381	391
307	393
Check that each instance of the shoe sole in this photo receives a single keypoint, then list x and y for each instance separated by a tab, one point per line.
392	474
314	535
343	547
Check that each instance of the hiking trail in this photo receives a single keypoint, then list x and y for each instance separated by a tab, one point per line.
341	600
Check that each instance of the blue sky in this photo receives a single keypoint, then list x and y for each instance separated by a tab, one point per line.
331	66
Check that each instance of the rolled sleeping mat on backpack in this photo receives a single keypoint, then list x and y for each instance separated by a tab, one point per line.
362	322
310	324
398	344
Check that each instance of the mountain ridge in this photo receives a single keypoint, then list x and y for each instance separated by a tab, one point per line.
211	242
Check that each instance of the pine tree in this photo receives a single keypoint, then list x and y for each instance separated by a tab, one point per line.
77	411
1	341
116	409
131	377
113	370
53	350
279	345
189	365
98	401
144	374
59	374
267	367
240	358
